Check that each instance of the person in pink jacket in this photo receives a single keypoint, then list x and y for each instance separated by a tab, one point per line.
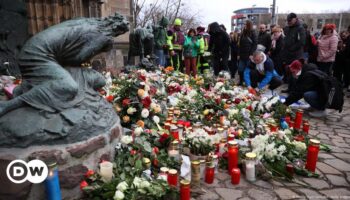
327	47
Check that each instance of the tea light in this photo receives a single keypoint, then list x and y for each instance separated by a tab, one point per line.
106	171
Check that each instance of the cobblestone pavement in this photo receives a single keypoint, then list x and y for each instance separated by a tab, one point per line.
334	169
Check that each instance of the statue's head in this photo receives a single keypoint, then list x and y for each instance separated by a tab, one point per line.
115	25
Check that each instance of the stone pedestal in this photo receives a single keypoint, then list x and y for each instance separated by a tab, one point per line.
73	162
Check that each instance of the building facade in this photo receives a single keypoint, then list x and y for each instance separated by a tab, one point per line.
258	15
45	13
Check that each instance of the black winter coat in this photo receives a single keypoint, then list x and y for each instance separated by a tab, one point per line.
219	42
247	45
306	82
294	42
265	39
276	53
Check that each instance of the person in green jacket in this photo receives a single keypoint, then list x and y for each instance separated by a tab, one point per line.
191	48
160	40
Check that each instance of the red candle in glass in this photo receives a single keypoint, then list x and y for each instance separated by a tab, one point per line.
230	137
299	138
291	124
209	173
172	177
235	176
273	128
167	126
290	169
174	131
312	155
306	127
298	119
287	119
185	192
232	155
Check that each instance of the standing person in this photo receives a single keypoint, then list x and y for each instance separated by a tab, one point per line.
347	61
191	47
327	48
219	47
260	73
177	39
339	67
247	45
294	41
234	39
160	40
310	48
264	38
277	45
202	59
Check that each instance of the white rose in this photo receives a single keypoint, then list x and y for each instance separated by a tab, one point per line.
137	182
138	131
145	184
131	110
156	119
118	195
153	106
126	139
145	113
122	186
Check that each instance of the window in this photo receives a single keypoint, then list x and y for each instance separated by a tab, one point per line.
319	23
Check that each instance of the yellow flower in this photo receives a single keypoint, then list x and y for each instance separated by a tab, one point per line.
140	123
126	119
157	109
206	112
141	93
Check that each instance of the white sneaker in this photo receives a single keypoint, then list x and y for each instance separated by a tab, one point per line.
318	113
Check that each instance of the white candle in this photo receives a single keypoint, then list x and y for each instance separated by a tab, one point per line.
250	171
106	171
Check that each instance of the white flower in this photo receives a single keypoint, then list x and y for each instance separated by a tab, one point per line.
145	184
122	186
218	85
232	112
137	181
138	131
118	195
299	146
131	110
145	113
126	139
282	149
156	119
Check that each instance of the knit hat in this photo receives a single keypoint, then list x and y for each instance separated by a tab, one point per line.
330	26
295	66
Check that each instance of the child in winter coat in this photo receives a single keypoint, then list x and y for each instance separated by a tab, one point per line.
191	47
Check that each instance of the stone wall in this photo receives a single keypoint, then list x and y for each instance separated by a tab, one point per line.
73	162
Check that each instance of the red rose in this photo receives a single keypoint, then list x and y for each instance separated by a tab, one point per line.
225	155
155	162
152	90
237	101
133	152
110	98
89	173
146	102
163	137
155	150
126	102
83	184
142	77
250	107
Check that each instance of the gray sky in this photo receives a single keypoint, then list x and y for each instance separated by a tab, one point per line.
222	10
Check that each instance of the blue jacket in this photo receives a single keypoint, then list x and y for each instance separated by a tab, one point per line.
269	72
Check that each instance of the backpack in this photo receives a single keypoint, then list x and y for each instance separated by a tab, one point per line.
332	89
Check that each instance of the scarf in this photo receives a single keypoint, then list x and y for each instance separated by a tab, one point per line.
275	38
260	66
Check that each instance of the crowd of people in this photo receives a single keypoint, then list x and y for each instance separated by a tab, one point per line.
263	58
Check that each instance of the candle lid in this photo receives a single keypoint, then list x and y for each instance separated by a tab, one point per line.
180	126
195	162
175	142
167	124
250	155
171	109
169	118
314	142
185	182
225	127
300	110
223	140
146	160
210	164
202	161
233	143
173	171
164	169
215	156
173	128
174	122
231	135
220	129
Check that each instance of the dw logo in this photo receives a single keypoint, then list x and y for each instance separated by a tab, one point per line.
35	171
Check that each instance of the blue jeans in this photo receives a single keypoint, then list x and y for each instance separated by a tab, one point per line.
242	64
312	98
161	58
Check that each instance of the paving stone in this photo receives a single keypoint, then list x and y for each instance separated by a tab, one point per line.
245	198
209	196
325	155
229	194
311	194
335	137
344	135
340	144
259	195
343	131
343	156
346	150
323	136
313	132
214	184
242	183
339	193
276	183
263	184
337	180
327	169
338	164
284	193
316	183
348	176
222	176
337	149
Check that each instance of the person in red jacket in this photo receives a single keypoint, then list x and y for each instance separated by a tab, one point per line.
327	48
